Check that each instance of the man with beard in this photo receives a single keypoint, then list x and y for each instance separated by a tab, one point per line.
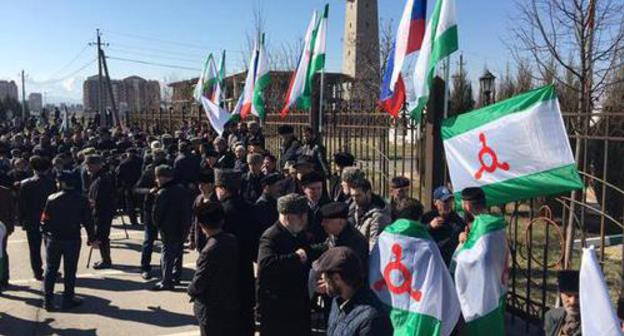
251	187
101	196
370	213
566	320
443	223
355	310
31	199
265	208
284	258
226	159
240	223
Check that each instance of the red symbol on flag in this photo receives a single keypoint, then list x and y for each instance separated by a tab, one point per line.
486	150
405	286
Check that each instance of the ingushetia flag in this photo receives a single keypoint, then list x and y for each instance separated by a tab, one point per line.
408	274
595	300
317	62
262	79
207	92
298	82
408	40
514	150
480	268
439	42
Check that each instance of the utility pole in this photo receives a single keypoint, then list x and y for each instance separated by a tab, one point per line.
101	102
24	113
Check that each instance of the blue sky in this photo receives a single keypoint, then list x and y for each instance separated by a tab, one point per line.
48	39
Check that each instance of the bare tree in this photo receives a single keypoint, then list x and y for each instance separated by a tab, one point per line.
507	86
592	32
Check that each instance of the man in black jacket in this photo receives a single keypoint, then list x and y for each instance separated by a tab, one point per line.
186	166
290	145
128	173
62	216
312	185
340	233
32	196
172	217
214	288
356	311
443	223
146	186
284	259
336	193
239	221
313	148
251	187
102	198
265	208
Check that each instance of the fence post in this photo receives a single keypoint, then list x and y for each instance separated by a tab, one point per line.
434	151
315	108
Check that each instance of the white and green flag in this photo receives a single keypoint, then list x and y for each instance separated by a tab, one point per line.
317	64
441	40
514	150
408	274
262	81
208	93
480	269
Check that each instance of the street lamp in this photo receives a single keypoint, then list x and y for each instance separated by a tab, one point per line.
488	88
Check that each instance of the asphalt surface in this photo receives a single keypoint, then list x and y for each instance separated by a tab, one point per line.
117	301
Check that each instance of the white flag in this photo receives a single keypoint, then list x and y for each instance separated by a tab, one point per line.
597	315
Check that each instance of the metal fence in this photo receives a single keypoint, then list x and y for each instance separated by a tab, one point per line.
538	229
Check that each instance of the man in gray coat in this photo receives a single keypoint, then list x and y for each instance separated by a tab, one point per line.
565	320
370	213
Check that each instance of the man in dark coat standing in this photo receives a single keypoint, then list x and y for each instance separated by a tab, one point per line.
251	187
128	173
186	166
214	289
284	259
290	145
7	217
265	208
102	199
239	221
342	160
171	215
32	196
312	185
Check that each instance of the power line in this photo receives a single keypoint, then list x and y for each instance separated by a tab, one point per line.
60	79
70	62
152	63
131	35
164	51
151	55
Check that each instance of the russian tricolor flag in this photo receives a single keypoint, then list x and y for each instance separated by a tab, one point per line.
408	40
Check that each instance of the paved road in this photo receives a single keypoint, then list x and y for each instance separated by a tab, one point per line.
117	301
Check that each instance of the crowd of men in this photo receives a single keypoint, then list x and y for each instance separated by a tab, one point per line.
279	235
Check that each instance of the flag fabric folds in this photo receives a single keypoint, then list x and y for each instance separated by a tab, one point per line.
408	40
408	274
597	315
262	81
514	150
295	97
440	40
208	93
480	267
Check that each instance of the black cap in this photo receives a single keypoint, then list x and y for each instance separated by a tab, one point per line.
285	129
271	179
344	159
209	213
399	182
335	210
473	194
311	177
568	281
303	160
206	176
69	178
339	259
39	163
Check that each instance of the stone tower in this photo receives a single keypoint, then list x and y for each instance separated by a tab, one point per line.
360	58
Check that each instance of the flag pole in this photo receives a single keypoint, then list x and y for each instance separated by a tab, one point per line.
447	86
320	128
